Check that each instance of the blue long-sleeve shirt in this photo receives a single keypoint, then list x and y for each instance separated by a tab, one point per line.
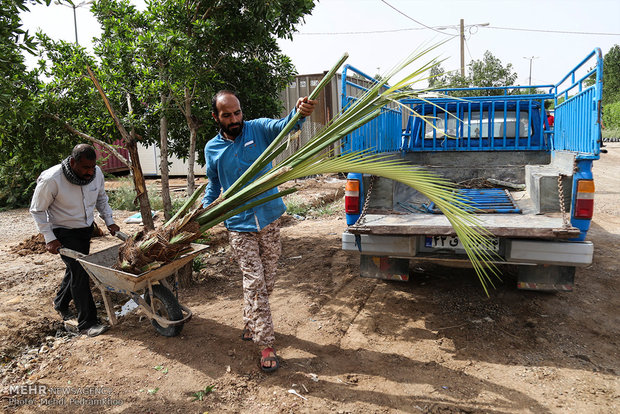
227	160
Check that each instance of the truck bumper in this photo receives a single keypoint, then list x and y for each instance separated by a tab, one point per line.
373	245
514	251
550	252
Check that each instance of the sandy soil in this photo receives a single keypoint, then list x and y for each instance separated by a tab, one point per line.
348	345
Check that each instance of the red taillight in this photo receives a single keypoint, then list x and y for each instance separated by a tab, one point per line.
584	202
352	197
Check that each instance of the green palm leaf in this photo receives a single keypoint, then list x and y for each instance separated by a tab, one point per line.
315	158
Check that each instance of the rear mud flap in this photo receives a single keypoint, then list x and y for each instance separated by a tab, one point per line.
383	267
549	278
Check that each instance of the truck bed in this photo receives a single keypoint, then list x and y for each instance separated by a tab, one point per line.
528	224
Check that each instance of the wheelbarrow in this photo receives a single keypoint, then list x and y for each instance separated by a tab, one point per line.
165	312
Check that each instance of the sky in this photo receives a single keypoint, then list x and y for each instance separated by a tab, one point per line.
550	36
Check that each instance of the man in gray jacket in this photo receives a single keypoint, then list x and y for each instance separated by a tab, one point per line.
63	207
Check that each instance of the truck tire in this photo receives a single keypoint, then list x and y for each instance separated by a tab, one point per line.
167	306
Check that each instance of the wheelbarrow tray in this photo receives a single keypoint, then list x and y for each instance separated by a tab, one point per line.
100	266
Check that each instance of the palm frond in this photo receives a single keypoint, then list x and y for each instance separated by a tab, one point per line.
315	158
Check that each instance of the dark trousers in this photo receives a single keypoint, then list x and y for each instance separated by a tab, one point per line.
76	283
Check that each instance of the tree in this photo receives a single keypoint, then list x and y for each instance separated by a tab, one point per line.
163	64
185	53
611	76
213	45
488	72
24	153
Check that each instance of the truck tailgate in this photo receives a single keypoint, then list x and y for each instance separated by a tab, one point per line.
532	226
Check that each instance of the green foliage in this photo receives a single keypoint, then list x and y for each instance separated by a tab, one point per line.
611	133
198	263
13	41
199	395
172	51
296	206
157	203
171	59
488	72
25	150
611	117
123	197
205	239
16	185
611	76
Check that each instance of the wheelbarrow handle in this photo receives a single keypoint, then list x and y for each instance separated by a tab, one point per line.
65	251
121	235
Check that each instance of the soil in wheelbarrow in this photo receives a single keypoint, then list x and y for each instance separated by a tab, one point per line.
347	345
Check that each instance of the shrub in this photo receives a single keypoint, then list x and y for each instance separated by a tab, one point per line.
611	117
296	206
123	197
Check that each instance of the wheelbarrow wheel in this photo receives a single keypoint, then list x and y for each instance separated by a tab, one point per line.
167	306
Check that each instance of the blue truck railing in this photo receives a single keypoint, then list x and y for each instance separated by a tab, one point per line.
506	120
380	132
578	109
489	123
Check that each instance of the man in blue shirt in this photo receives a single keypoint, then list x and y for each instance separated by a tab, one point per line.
255	233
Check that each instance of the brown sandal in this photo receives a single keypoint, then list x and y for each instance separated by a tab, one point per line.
266	358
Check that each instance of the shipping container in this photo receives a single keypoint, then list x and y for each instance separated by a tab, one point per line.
110	163
150	159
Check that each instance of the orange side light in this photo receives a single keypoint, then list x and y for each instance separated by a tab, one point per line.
585	186
352	185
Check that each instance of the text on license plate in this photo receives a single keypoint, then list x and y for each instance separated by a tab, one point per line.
453	242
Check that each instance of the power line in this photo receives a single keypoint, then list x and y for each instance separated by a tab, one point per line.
467	47
428	27
360	32
553	31
411	18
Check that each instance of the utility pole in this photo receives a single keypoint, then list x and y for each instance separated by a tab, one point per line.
531	59
462	48
74	6
75	23
462	36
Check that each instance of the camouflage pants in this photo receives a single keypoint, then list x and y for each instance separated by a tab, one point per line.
257	254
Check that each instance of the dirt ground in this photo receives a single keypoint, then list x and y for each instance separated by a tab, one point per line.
436	344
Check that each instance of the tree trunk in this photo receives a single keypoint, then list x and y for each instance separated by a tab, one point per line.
132	147
138	178
163	164
186	278
140	184
193	127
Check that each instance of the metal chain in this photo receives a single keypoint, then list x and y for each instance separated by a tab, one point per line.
565	222
561	196
360	220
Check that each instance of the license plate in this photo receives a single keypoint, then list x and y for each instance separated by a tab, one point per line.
453	242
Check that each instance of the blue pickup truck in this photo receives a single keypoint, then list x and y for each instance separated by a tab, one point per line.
528	176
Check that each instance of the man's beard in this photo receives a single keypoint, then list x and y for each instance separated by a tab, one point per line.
232	130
